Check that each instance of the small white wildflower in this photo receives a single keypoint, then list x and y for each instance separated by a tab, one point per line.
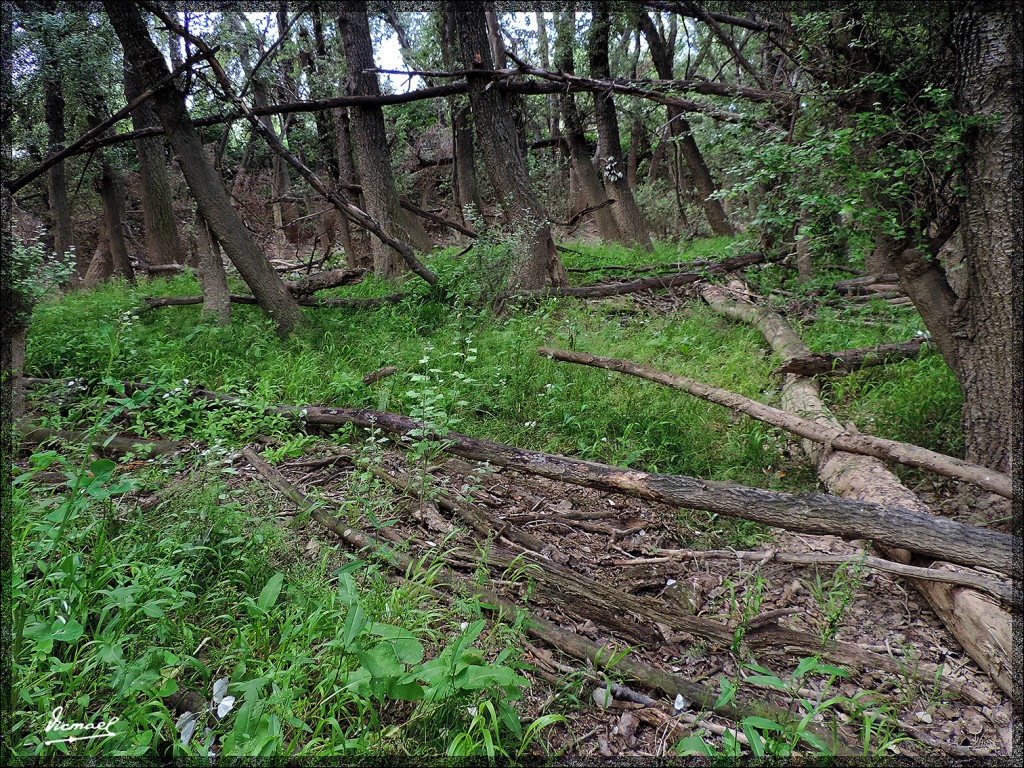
680	703
670	582
463	625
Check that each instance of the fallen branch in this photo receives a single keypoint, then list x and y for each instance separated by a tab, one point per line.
850	360
1000	589
580	214
172	269
830	435
155	302
332	278
601	656
380	373
978	623
644	284
409	206
105	445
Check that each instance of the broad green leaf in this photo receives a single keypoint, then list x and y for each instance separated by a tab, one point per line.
270	592
102	469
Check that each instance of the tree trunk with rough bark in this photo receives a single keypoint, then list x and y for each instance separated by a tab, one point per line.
626	212
56	183
580	158
662	55
212	278
111	196
989	48
504	160
369	140
354	239
979	624
203	181
163	244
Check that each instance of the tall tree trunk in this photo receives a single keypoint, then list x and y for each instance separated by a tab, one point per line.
206	186
369	140
286	211
111	197
464	182
354	239
504	160
581	164
56	184
212	277
662	56
989	50
626	212
163	245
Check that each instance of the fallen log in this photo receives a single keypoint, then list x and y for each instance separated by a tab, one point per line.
319	281
849	360
803	513
601	656
978	623
997	588
155	302
160	269
381	373
816	513
644	284
104	445
831	435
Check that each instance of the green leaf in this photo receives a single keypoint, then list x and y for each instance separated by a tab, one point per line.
755	739
354	624
270	592
408	649
102	469
769	680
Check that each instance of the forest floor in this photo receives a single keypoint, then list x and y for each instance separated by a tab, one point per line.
923	698
620	533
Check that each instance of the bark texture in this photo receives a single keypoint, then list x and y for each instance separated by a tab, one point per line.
991	66
212	278
978	623
369	140
626	212
504	160
206	186
163	245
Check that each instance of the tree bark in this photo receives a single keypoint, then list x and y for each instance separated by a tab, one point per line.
990	64
203	181
369	140
662	55
626	212
832	436
353	238
503	158
580	155
56	184
980	625
163	244
111	197
212	278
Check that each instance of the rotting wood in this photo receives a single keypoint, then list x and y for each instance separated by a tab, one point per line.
105	445
905	527
155	302
601	656
831	435
977	622
804	513
380	373
997	588
849	360
643	284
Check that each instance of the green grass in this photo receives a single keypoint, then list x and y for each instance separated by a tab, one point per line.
112	601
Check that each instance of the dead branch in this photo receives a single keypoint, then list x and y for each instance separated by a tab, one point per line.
601	656
320	281
997	588
105	445
644	284
830	435
979	624
410	206
849	360
155	302
380	373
